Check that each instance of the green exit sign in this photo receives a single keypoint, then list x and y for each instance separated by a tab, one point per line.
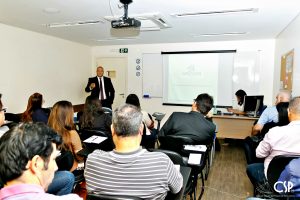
123	50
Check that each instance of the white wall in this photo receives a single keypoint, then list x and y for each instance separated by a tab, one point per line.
287	40
134	83
32	62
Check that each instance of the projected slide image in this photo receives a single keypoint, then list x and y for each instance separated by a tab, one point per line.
190	75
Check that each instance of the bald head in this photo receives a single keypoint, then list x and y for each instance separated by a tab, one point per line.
294	106
100	71
283	96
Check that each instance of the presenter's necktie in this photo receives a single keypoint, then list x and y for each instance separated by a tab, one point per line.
101	90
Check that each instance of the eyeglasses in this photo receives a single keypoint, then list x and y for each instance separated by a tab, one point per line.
3	109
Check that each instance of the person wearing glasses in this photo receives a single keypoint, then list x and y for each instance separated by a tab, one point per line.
4	128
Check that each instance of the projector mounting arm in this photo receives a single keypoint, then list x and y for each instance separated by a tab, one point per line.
125	11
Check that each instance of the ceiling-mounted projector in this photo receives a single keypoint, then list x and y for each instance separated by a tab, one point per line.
125	21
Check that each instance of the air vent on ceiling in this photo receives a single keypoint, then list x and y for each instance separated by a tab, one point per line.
149	21
191	14
78	23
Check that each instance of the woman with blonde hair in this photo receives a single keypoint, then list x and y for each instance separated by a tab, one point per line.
61	120
34	111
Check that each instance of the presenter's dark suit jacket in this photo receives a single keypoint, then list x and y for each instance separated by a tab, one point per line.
192	125
109	90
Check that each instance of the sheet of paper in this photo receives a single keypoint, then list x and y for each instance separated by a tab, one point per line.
95	139
194	159
201	148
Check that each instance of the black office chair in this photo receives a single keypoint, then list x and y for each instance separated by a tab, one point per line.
95	196
16	118
65	160
106	145
107	110
158	117
276	166
176	143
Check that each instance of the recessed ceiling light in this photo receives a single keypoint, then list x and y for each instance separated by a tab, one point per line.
112	39
51	10
78	23
218	34
191	14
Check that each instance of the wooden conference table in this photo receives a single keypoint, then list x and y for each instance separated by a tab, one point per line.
233	126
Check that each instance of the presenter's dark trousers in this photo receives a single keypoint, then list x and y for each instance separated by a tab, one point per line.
106	103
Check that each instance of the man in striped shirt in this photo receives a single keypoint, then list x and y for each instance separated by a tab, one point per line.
129	170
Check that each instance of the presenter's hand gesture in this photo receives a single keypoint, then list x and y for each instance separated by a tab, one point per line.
92	86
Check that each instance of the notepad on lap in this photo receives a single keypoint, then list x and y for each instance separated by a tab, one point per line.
194	159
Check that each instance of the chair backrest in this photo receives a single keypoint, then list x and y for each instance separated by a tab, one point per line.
13	117
174	156
276	166
107	110
65	160
94	196
174	143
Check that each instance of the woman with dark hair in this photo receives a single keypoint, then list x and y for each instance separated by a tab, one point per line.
251	143
94	117
61	120
149	134
239	108
34	111
282	109
62	182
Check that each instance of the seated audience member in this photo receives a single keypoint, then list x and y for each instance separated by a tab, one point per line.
63	181
194	124
250	143
149	134
34	111
3	129
61	120
129	170
282	140
27	154
270	114
93	116
239	108
291	173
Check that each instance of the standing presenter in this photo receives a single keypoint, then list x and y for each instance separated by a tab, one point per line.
102	88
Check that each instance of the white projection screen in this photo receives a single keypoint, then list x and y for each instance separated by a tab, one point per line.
187	74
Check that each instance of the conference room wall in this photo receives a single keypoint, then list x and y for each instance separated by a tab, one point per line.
287	40
32	62
134	83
